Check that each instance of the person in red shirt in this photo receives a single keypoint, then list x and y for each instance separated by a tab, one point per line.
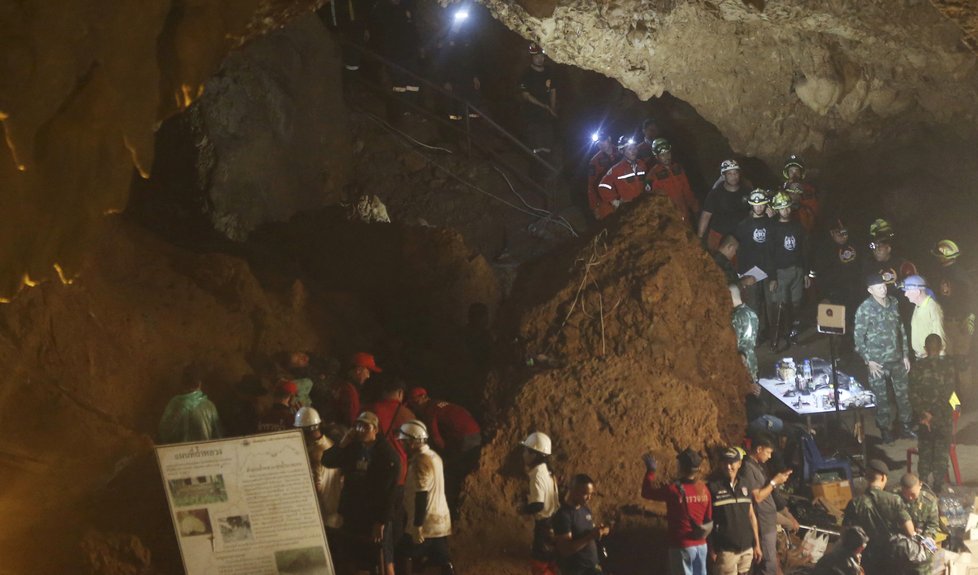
392	413
601	162
688	511
345	406
454	433
667	177
804	196
624	182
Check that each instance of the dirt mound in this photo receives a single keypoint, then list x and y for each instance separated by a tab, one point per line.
637	319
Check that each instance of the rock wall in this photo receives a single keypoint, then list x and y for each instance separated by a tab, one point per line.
83	85
629	332
775	77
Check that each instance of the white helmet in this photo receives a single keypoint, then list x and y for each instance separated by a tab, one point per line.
413	429
537	441
307	417
729	166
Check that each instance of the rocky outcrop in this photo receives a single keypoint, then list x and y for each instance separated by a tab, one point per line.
773	76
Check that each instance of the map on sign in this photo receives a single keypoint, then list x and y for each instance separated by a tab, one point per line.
245	506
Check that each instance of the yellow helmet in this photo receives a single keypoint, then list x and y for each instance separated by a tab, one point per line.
881	230
781	201
946	251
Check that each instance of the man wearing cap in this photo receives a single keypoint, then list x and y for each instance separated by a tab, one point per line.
754	477
454	433
688	508
539	94
370	467
667	176
734	544
928	317
346	394
625	181
754	251
880	514
880	341
932	382
725	207
575	534
542	502
280	415
839	271
606	157
429	522
328	482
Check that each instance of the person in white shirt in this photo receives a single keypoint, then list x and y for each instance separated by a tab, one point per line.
542	502
328	482
429	522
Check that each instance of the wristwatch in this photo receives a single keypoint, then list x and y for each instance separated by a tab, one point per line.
773	484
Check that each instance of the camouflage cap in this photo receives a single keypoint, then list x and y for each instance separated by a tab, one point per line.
874	279
878	466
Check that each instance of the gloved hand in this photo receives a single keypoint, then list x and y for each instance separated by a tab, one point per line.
649	460
615	203
417	537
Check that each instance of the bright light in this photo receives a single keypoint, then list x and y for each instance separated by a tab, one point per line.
594	137
461	15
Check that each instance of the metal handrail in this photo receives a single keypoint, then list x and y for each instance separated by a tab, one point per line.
424	81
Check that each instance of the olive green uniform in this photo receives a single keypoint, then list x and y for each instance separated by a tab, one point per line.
931	385
879	337
880	514
923	513
746	324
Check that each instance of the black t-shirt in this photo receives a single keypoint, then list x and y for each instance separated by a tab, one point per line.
728	208
731	515
579	523
787	245
839	271
537	83
754	250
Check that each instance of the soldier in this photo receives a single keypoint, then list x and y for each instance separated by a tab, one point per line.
745	324
881	514
922	506
846	557
932	383
881	342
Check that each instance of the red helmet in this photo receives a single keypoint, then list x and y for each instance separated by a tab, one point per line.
535	49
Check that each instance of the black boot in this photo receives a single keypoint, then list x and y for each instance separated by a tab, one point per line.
907	432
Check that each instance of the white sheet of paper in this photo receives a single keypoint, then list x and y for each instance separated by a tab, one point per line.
756	273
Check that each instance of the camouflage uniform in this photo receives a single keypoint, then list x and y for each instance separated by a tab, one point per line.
879	337
932	383
923	513
880	514
746	324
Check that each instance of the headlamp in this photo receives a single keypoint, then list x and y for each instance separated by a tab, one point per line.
461	15
595	137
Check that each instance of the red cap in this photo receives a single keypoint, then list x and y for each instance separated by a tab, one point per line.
417	392
288	386
366	360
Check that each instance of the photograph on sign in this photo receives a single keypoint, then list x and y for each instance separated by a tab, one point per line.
246	505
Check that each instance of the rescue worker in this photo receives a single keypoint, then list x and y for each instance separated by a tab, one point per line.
429	522
725	256
846	557
755	478
575	534
345	404
928	317
189	415
884	262
921	505
953	291
880	514
539	94
734	545
625	181
454	433
370	468
725	207
839	271
328	482
650	133
606	157
789	260
803	195
393	31
688	507
754	251
932	383
745	324
542	502
667	176
280	415
459	64
881	342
